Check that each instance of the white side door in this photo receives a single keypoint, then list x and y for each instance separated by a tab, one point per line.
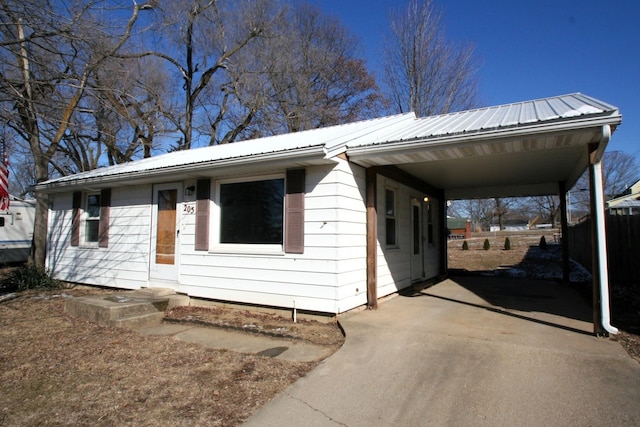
417	244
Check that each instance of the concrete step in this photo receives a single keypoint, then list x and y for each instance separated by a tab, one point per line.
178	300
125	309
147	320
153	292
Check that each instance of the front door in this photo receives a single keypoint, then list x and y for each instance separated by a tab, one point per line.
165	235
417	258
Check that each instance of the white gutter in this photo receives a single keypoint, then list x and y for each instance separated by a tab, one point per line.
603	272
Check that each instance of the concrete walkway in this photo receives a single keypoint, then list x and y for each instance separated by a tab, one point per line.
286	349
468	352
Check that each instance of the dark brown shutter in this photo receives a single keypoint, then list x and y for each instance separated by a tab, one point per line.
103	226
294	212
203	195
75	218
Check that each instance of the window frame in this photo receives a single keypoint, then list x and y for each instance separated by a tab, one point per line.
79	215
86	219
391	217
430	229
246	248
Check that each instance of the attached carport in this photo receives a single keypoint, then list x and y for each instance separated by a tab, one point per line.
531	148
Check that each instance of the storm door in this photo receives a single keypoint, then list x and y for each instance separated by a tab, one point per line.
165	236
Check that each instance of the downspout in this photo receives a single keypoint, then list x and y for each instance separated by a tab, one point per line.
597	192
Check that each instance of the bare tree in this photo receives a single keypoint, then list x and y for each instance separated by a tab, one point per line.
122	112
545	209
619	171
200	38
45	73
479	211
424	72
316	81
503	207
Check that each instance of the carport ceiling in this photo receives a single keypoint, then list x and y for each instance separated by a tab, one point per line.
522	149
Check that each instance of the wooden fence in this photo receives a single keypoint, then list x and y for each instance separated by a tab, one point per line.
623	246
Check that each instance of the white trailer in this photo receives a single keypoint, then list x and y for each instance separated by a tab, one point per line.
16	230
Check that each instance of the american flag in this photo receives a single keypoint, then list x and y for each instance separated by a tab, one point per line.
4	180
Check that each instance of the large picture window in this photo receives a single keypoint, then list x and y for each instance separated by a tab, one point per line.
252	212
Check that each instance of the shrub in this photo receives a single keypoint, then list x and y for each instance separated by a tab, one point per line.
465	246
543	243
29	276
507	244
487	245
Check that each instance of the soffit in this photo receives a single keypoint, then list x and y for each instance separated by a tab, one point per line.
521	149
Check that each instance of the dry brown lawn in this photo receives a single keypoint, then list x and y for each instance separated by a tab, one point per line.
476	259
60	370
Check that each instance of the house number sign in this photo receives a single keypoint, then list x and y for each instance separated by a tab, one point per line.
188	209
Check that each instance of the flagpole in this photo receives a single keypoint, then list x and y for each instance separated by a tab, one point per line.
5	199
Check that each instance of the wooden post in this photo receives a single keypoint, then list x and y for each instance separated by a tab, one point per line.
564	227
372	239
444	265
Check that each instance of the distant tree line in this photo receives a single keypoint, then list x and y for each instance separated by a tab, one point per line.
620	170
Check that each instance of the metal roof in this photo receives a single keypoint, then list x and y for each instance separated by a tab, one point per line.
301	148
501	117
519	149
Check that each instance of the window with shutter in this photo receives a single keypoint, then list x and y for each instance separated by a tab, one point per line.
90	219
294	211
203	195
76	216
103	227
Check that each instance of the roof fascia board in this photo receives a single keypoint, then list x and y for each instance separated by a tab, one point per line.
437	142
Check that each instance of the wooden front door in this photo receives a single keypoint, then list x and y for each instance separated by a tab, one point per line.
165	234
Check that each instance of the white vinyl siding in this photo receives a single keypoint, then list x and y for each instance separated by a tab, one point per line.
394	263
125	263
334	253
330	276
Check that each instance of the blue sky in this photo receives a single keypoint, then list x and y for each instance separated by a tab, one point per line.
532	49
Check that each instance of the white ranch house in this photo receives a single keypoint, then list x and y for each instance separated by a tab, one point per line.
323	220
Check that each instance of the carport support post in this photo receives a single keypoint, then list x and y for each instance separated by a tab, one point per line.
599	269
372	238
564	227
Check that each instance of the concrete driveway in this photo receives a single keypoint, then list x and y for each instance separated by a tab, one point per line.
468	351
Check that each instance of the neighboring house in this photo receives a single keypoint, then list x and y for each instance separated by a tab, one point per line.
628	203
323	220
459	228
510	225
16	230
